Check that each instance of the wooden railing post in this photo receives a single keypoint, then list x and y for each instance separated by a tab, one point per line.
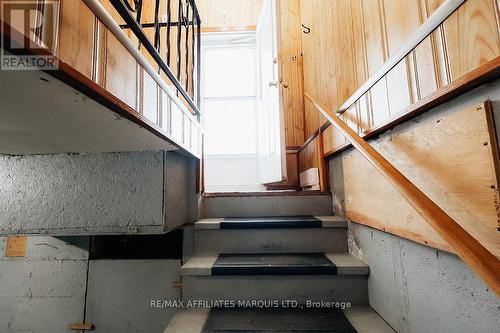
483	262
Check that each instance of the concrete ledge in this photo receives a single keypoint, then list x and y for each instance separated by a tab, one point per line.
348	264
327	222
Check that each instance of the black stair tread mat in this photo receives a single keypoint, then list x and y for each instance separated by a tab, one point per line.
270	222
273	264
277	320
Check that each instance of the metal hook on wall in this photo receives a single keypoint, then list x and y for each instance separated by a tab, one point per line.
306	30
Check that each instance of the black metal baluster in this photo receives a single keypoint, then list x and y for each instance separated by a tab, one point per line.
169	20
187	45
132	15
193	49
138	18
198	63
157	26
179	32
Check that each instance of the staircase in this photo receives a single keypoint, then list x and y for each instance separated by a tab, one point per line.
274	273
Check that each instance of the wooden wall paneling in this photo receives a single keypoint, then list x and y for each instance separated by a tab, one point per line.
379	103
229	13
328	138
365	113
164	113
149	97
290	66
292	167
472	36
76	36
332	139
176	121
319	61
377	53
311	118
437	40
361	64
323	173
100	54
400	22
307	156
112	11
345	79
424	68
121	72
351	117
448	160
398	88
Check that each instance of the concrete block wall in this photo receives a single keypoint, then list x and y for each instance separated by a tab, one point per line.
44	291
416	288
102	193
56	284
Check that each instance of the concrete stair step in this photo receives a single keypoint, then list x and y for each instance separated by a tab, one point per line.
341	277
327	234
275	264
363	319
267	204
271	222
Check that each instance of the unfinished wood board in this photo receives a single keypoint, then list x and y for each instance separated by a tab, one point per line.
76	36
16	246
451	160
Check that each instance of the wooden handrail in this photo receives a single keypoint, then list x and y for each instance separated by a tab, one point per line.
483	262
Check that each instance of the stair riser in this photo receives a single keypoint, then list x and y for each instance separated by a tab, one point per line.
267	206
314	288
327	240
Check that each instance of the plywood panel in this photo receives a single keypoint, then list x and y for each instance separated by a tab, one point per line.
121	71
451	160
472	36
16	246
290	64
76	36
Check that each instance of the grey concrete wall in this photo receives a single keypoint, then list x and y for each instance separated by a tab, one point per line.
418	289
44	291
120	294
83	194
181	199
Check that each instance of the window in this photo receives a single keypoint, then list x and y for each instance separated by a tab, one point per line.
229	99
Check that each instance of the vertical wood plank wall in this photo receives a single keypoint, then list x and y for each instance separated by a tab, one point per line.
229	14
85	44
350	40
